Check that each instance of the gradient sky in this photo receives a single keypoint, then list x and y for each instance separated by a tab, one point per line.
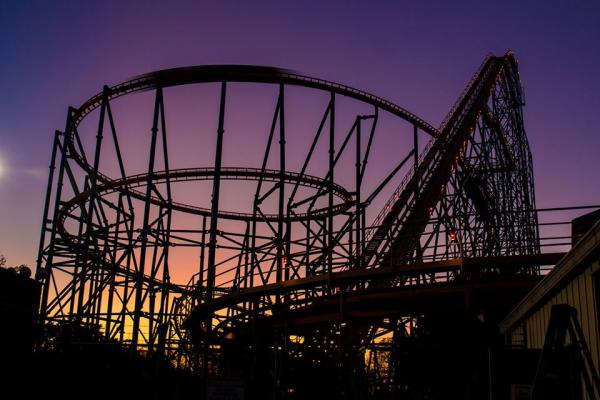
56	54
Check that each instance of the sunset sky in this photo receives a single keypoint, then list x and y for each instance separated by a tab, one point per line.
58	54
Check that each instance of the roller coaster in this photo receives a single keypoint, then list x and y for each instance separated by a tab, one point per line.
319	271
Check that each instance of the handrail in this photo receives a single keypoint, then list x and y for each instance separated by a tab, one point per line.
464	93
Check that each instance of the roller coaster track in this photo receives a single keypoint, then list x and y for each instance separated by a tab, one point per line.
290	263
408	208
129	184
346	278
395	232
230	73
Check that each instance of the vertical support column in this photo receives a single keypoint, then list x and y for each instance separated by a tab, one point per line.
45	219
212	241
357	204
363	239
151	289
45	275
78	256
417	179
128	216
280	222
166	275
416	156
113	272
127	281
202	256
331	181
253	257
93	178
246	257
139	284
363	233
280	242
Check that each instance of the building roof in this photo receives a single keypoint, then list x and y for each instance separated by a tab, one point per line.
586	250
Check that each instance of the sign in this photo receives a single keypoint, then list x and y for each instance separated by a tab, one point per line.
225	389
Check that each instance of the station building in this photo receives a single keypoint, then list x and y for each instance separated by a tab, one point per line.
559	318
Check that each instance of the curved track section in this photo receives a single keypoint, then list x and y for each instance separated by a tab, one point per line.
129	184
98	240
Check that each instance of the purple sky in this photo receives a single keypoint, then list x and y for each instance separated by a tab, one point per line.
56	54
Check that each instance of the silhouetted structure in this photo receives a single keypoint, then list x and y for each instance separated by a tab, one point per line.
316	291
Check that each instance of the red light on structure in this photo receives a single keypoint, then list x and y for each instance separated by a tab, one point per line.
452	236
